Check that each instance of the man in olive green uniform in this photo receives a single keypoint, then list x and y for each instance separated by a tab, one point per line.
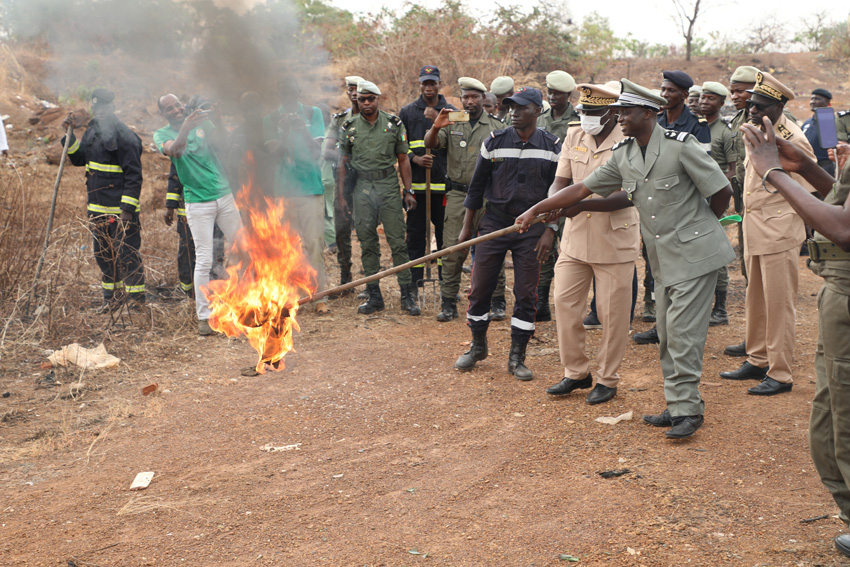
372	143
723	152
679	193
330	159
829	427
842	125
556	120
694	94
502	87
462	142
773	232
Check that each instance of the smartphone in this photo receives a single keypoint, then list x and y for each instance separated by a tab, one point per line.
458	116
827	134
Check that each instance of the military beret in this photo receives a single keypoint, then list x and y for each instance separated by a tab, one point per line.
745	74
768	86
633	94
713	87
501	85
102	96
352	80
525	95
367	87
470	84
429	73
678	78
823	92
560	81
695	90
592	97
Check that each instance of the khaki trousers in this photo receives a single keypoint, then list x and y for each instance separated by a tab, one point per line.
573	279
306	216
771	311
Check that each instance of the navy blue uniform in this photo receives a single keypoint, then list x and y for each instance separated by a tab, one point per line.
691	124
810	129
512	176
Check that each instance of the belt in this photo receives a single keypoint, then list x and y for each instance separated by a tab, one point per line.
499	213
820	250
452	186
376	174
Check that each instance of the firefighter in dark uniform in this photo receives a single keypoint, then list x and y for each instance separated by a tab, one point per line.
111	154
515	168
418	117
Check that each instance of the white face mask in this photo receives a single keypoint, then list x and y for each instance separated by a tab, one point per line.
593	124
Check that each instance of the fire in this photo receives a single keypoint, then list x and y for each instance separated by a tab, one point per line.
260	298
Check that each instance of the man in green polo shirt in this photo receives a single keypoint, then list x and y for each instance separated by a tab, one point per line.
188	141
293	136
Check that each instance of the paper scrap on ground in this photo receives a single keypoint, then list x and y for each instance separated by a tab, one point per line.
615	420
269	448
142	480
83	357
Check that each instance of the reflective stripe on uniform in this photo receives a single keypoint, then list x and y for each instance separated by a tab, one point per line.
105	167
172	196
112	285
434	186
520	324
127	200
485	317
135	288
74	147
186	287
181	212
502	153
416	144
93	208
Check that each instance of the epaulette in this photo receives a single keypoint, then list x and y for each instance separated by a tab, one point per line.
622	143
676	135
347	123
576	123
340	114
394	119
550	135
844	113
785	132
702	120
495	133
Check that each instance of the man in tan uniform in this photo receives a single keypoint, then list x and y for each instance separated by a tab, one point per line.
773	232
601	240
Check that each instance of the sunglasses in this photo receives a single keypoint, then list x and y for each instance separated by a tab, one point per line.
366	98
760	106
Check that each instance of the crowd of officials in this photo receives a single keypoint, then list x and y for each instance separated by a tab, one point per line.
628	171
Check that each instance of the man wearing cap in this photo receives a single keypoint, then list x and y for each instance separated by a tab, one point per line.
773	232
515	168
462	142
723	152
694	94
111	153
502	87
330	153
679	193
556	120
190	143
676	116
602	241
372	142
491	103
821	98
417	117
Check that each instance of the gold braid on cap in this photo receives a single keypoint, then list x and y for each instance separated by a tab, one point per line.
768	90
590	100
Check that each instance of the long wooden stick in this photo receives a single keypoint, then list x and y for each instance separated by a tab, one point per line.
424	259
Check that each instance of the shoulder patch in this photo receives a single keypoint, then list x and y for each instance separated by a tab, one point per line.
844	113
785	132
676	135
622	143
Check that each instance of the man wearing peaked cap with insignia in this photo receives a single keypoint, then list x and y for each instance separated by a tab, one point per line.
502	87
693	99
111	154
821	98
372	142
462	142
330	153
723	152
773	232
514	170
556	120
602	241
417	117
679	193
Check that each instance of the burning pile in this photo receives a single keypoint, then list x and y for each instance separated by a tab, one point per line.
260	297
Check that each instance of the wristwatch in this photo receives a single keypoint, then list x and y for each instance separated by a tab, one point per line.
409	191
553	226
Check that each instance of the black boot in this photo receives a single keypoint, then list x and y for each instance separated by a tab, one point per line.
344	278
543	311
408	300
719	316
516	359
477	351
375	301
497	309
448	310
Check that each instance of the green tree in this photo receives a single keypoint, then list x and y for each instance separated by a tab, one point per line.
597	44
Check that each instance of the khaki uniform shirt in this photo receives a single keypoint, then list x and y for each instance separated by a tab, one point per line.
836	273
598	237
669	187
373	146
842	125
737	121
723	149
559	126
771	225
462	142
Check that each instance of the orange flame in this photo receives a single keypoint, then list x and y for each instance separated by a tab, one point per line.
259	299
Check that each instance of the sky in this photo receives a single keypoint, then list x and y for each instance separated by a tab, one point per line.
653	22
